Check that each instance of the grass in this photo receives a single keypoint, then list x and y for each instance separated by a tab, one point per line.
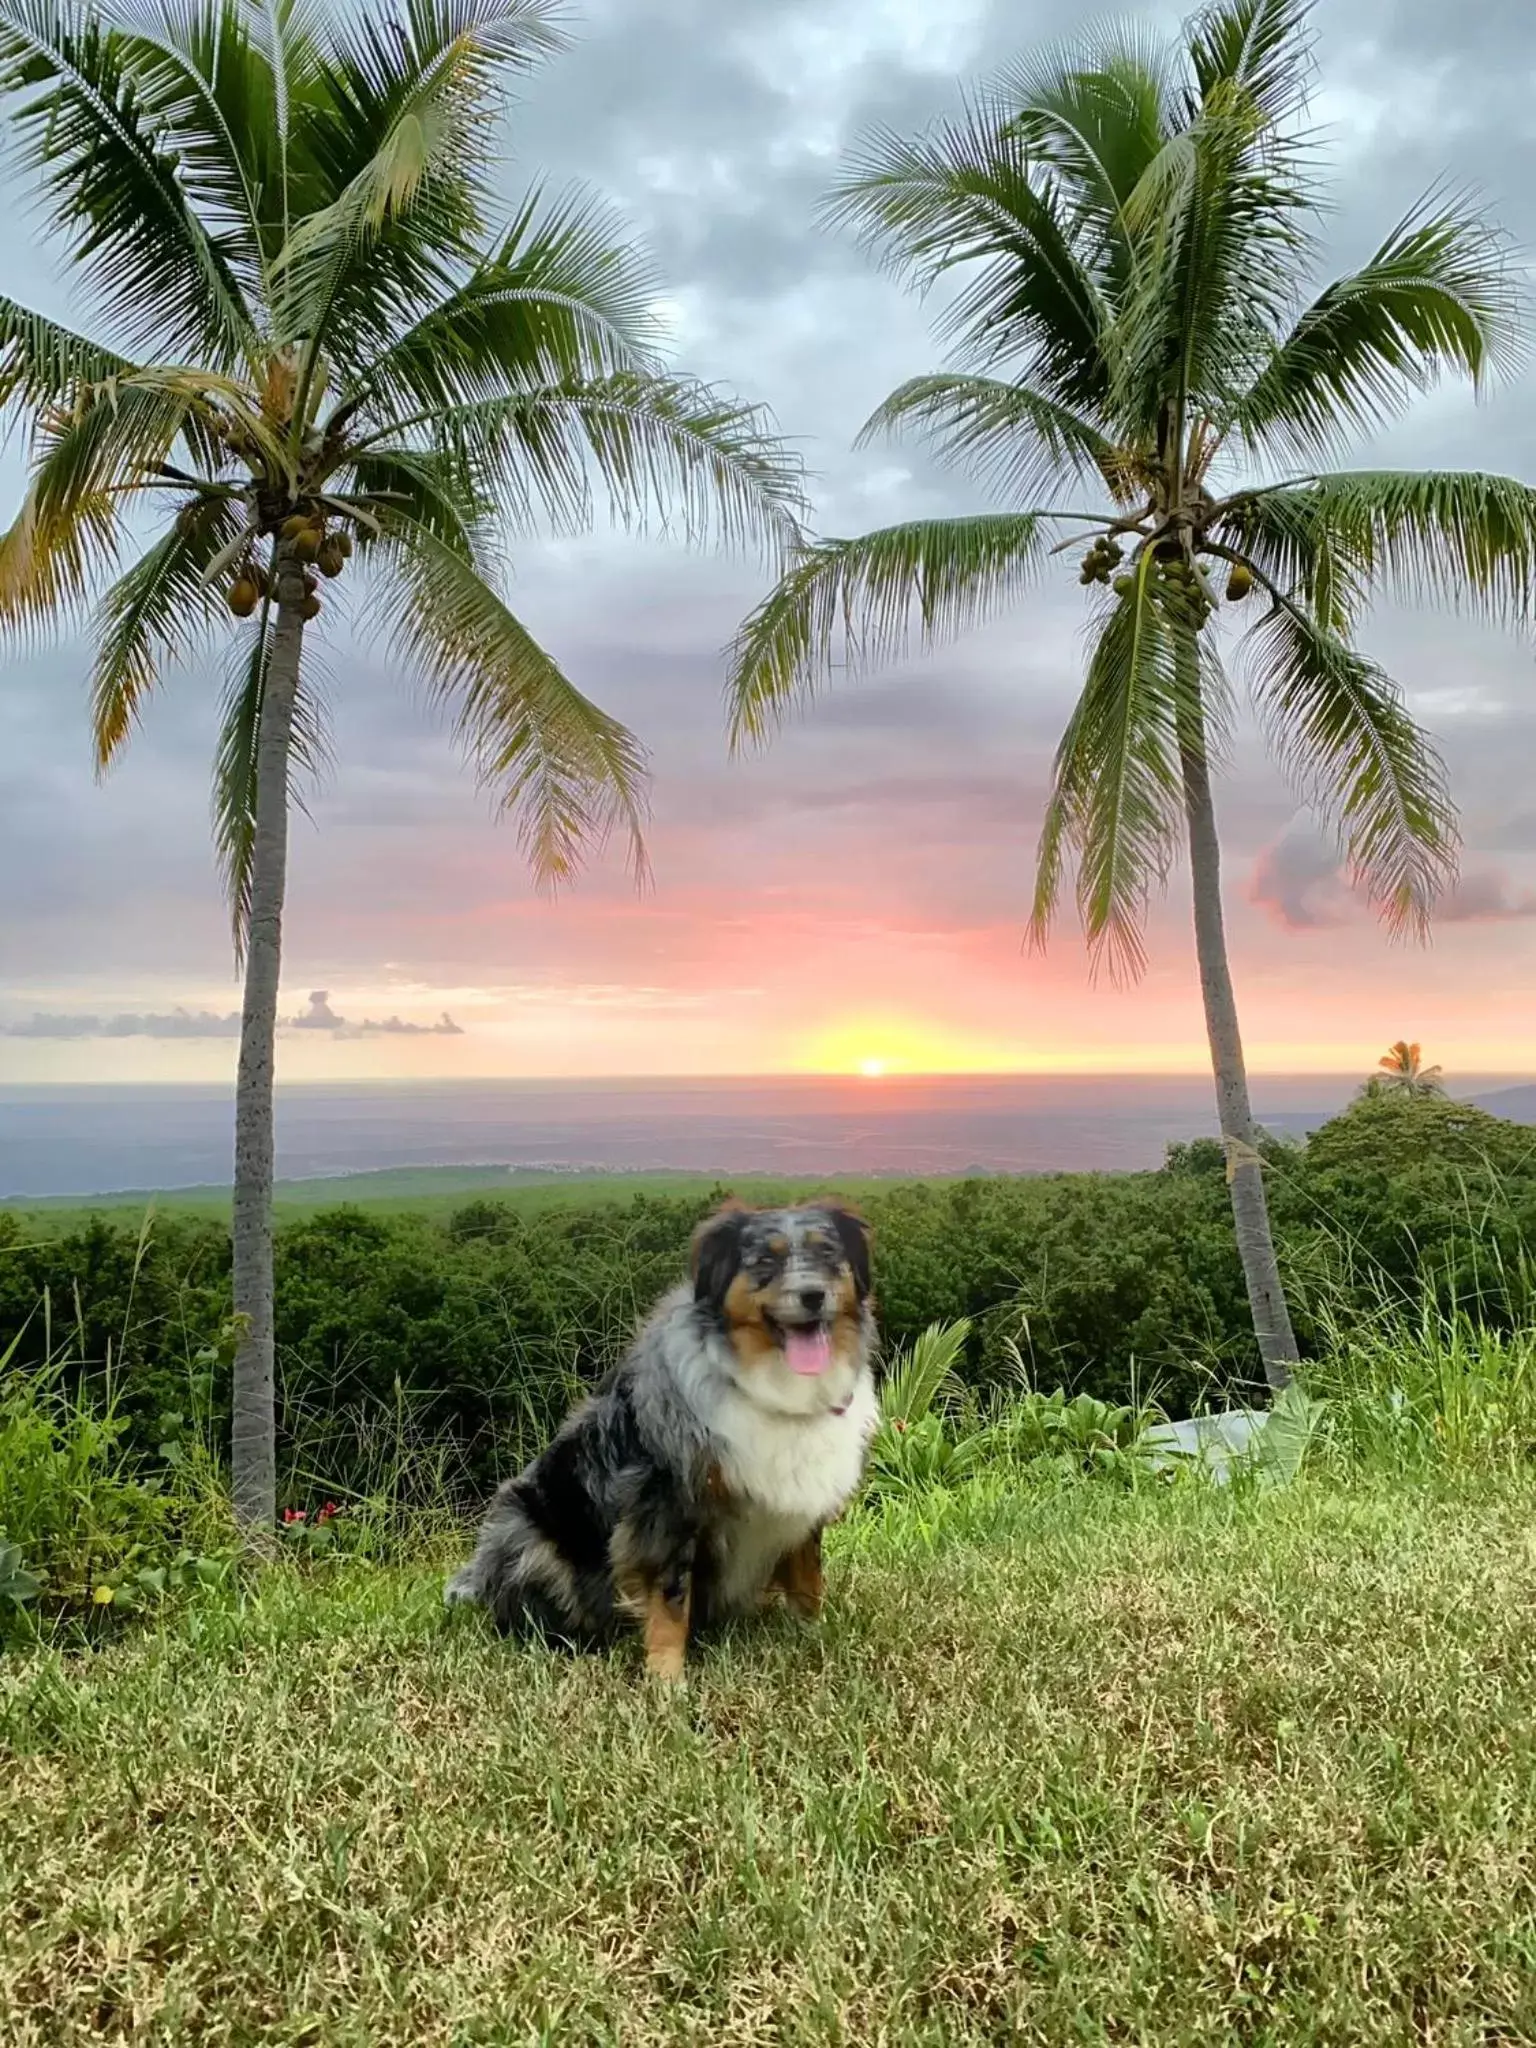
1065	1763
433	1191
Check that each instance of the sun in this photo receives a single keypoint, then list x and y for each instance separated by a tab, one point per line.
872	1070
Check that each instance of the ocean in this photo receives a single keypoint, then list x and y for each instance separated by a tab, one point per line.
98	1140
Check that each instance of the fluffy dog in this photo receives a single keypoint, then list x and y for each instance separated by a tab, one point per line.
696	1481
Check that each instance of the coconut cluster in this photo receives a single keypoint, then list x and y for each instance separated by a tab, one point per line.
308	542
1179	588
1101	560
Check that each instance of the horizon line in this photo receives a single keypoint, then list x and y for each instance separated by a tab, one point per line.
872	1083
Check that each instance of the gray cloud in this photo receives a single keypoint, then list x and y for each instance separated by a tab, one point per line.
319	1016
172	1024
1488	897
1514	835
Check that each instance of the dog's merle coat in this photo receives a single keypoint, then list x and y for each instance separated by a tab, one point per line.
698	1477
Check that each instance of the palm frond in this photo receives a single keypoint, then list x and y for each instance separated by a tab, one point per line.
1339	725
45	364
1437	297
112	184
400	132
969	196
429	487
657	445
159	611
1221	239
89	453
1116	797
1455	537
569	773
1098	112
560	298
48	564
924	1373
1262	47
109	441
1017	440
205	80
1288	538
854	603
234	770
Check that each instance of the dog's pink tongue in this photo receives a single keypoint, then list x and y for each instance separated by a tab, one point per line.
807	1351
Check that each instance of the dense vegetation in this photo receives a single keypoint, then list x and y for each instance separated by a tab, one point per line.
472	1331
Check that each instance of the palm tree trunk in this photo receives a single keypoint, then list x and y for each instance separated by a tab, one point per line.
253	1436
1245	1176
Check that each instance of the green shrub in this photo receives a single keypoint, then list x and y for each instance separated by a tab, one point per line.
419	1361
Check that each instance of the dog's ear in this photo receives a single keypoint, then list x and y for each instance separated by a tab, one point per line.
716	1256
853	1235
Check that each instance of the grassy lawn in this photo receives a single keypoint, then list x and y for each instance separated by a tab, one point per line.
1064	1764
434	1191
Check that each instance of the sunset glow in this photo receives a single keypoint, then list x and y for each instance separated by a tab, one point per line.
908	1045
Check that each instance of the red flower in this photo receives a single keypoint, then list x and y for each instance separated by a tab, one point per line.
291	1515
327	1513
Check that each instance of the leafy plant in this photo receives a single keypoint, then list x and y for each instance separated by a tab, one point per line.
17	1584
89	1526
1294	1426
914	1446
309	1535
1085	1432
931	1436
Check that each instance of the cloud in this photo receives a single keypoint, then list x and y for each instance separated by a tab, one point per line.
1298	883
182	1023
321	1017
128	1024
1487	898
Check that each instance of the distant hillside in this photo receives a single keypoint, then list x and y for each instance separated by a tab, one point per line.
1518	1104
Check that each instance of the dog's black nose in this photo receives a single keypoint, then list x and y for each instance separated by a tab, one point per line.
812	1299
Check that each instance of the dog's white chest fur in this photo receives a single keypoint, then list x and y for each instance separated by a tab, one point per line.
788	1475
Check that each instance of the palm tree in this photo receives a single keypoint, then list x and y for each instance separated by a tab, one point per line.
1400	1071
324	357
1124	235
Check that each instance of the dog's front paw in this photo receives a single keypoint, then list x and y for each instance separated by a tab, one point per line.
667	1666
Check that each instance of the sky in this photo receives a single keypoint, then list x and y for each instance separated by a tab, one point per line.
855	896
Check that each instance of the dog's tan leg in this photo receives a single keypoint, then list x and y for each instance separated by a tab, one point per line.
664	1619
799	1577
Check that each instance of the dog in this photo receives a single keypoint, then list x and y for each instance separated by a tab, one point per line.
695	1482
